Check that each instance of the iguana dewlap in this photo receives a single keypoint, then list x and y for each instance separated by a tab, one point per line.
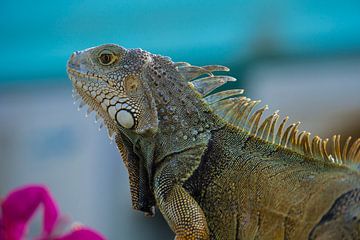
207	160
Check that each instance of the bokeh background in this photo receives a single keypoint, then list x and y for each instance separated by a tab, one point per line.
302	57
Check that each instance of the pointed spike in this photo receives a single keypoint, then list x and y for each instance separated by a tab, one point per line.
245	120
345	149
357	157
315	147
233	114
265	127
261	129
223	110
216	68
76	96
321	142
318	149
191	72
254	120
279	131
306	144
101	125
294	141
213	98
353	149
301	143
336	151
333	146
96	118
324	149
223	107
82	104
182	64
284	139
336	147
88	112
266	132
232	110
111	134
299	140
271	135
206	85
239	114
242	109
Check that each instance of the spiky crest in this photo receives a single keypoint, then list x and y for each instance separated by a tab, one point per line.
238	111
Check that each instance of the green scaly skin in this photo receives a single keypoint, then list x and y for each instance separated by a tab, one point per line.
210	179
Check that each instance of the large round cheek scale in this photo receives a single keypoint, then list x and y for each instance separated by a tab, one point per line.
125	119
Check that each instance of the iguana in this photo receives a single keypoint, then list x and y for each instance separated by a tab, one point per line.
207	160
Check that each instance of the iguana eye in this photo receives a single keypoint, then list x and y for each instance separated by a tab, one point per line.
107	57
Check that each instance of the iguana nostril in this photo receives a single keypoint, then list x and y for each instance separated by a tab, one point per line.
75	59
72	56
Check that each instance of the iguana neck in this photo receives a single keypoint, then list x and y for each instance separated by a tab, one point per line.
185	120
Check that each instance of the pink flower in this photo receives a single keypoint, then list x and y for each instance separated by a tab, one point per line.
20	205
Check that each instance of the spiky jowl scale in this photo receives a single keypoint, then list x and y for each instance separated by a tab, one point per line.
208	161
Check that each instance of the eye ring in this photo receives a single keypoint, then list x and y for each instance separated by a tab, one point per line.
107	57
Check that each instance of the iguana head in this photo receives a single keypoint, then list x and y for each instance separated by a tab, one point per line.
138	94
108	79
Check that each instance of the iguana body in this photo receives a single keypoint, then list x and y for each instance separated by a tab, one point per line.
206	161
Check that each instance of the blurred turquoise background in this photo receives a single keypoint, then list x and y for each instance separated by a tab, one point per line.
302	57
37	37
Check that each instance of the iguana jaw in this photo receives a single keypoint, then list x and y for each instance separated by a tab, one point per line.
81	84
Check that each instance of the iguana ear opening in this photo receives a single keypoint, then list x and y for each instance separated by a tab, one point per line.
145	116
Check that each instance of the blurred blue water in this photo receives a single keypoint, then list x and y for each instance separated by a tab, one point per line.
37	37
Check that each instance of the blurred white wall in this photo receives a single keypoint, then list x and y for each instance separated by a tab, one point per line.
44	139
